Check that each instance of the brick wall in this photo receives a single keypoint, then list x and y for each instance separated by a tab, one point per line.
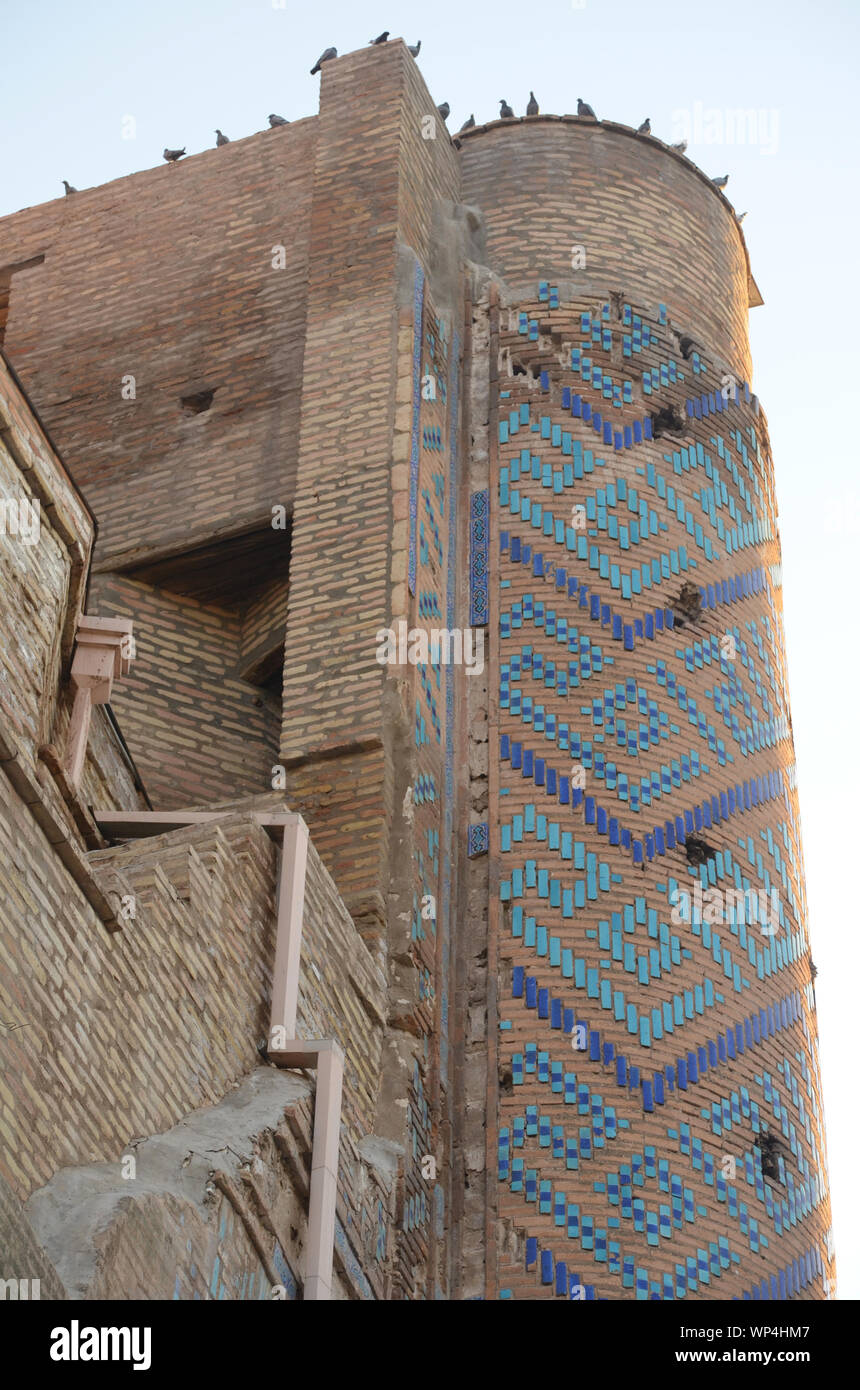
378	188
42	570
340	590
43	573
198	734
22	1257
110	1038
214	1208
264	623
34	581
124	1035
117	1042
167	276
647	218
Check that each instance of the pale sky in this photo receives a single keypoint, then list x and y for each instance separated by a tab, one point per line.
73	69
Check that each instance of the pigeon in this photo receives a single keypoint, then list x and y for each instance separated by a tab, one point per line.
277	120
470	124
444	110
323	58
645	127
739	216
221	138
414	48
680	147
720	183
383	37
68	187
505	112
532	109
583	108
172	155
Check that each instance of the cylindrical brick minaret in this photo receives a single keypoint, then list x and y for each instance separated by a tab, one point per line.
659	1129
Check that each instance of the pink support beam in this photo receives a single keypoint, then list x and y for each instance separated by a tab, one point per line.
103	653
78	736
288	946
327	1058
139	825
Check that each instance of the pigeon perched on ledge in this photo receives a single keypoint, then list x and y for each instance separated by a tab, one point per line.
583	109
68	187
414	48
277	120
645	127
383	38
505	111
323	58
720	183
680	147
532	109
221	138
470	124
172	155
444	110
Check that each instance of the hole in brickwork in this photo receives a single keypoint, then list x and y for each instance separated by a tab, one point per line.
688	605
6	273
228	571
268	675
771	1150
698	851
198	402
687	347
667	421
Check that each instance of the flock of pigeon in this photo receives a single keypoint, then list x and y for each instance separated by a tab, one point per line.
506	113
220	139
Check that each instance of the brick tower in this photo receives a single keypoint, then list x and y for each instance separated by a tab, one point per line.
351	377
659	1122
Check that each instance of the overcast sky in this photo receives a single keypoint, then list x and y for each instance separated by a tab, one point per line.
74	71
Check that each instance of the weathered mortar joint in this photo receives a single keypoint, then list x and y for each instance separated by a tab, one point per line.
57	834
404	1003
84	822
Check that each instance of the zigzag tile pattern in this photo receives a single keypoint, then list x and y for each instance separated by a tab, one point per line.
660	1131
